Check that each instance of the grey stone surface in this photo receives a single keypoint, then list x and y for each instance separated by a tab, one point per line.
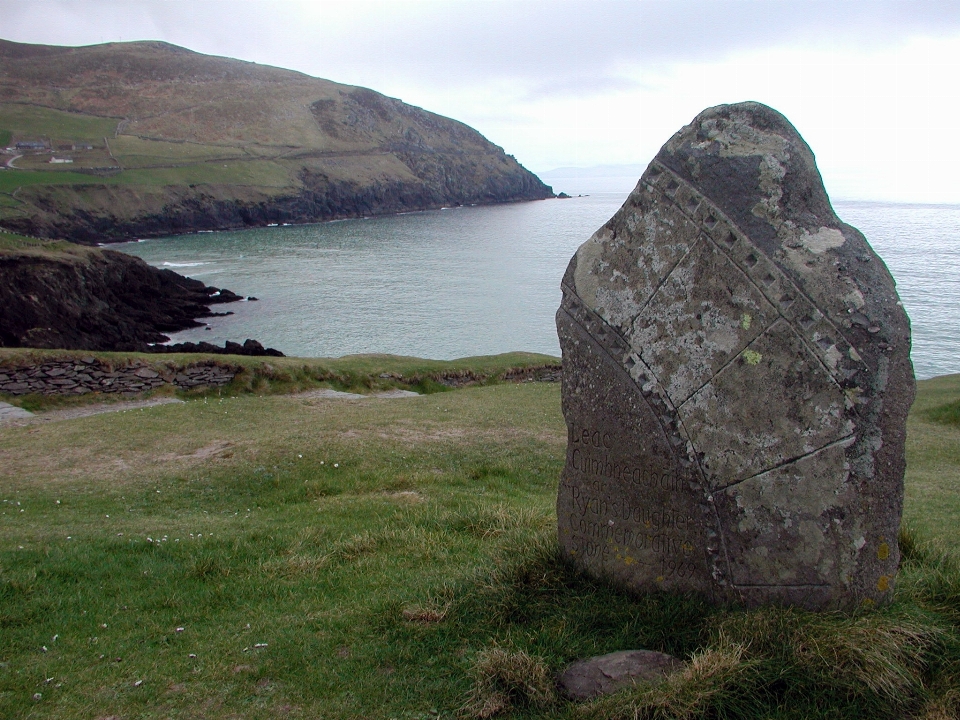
12	412
736	380
329	394
396	393
608	673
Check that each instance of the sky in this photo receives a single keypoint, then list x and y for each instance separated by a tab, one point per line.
870	84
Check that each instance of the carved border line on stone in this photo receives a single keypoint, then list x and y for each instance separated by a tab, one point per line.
773	284
843	442
646	374
606	339
813	328
810	326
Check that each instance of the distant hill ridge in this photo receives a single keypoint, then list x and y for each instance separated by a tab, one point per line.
158	139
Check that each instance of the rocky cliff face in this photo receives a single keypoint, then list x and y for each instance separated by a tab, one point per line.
85	298
174	141
104	213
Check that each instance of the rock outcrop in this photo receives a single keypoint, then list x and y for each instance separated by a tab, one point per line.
248	347
89	299
736	380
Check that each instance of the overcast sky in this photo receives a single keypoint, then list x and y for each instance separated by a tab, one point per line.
872	85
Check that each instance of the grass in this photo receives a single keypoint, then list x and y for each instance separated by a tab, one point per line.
932	500
267	555
15	244
946	414
139	152
32	122
12	242
256	173
147	163
10	180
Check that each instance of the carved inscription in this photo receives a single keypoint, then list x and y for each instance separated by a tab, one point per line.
603	464
619	513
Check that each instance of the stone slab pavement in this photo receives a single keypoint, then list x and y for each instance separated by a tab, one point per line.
328	394
12	412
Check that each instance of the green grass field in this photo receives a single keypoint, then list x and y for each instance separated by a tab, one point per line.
32	122
146	163
10	180
256	554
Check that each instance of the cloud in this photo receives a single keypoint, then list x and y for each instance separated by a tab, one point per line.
585	82
551	46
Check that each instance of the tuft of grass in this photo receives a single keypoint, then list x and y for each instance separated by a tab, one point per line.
506	680
714	679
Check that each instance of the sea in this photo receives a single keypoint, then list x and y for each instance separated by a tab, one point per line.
467	281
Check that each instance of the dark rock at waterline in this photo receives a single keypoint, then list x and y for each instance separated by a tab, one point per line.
318	197
249	347
92	299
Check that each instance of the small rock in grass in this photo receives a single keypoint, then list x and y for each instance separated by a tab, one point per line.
608	673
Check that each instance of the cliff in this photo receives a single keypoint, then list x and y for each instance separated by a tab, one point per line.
61	295
153	139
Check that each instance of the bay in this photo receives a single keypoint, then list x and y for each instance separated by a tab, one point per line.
439	284
483	280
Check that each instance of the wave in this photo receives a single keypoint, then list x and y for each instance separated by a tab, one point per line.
184	264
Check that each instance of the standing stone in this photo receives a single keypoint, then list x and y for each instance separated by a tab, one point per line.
736	381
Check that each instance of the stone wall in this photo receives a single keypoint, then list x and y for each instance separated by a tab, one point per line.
464	378
546	373
77	376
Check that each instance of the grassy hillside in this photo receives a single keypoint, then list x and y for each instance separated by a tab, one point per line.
246	554
14	245
139	119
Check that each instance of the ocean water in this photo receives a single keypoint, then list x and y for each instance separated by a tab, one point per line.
921	246
483	280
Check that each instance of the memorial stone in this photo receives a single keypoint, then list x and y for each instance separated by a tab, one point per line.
736	381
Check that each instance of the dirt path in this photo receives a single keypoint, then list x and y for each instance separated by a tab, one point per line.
327	394
10	414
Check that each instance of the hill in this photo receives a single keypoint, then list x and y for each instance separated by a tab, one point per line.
155	139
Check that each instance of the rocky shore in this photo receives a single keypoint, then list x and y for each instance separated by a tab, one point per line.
249	347
111	213
72	297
